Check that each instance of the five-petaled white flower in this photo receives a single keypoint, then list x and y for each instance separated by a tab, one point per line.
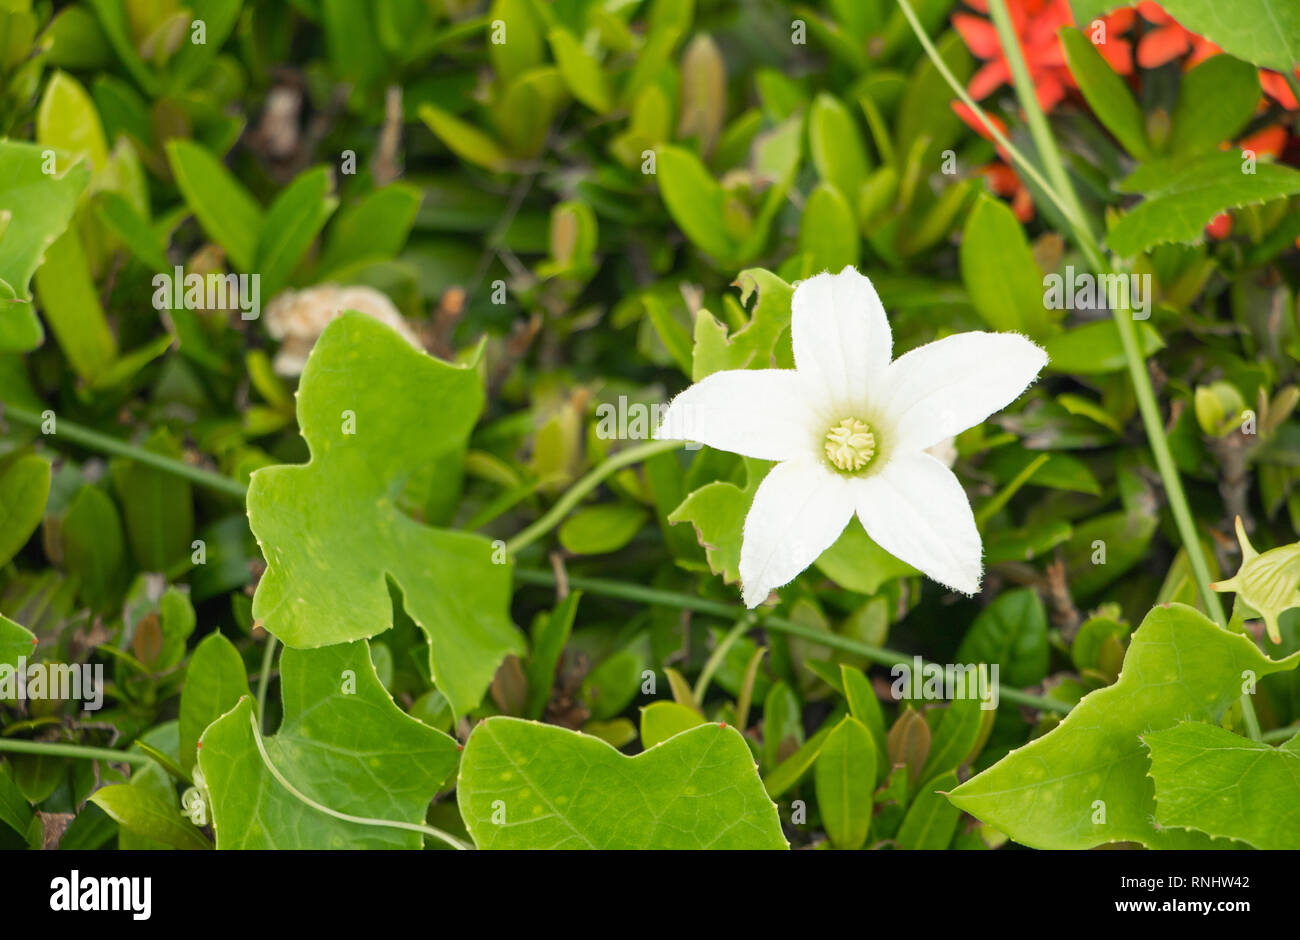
850	430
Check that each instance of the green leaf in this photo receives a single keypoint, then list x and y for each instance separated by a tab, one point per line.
525	785
957	734
931	821
147	814
343	743
292	223
1215	102
1085	782
521	48
24	489
35	208
581	72
696	202
1226	786
661	720
15	641
845	778
1265	32
1095	348
828	231
67	120
836	146
117	213
998	268
465	140
15	811
1106	93
599	530
228	214
158	506
375	228
1182	198
1104	547
865	707
215	681
856	562
1012	633
550	634
70	303
717	511
373	411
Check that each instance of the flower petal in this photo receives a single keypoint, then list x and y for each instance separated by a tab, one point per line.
759	413
799	510
954	383
915	509
841	337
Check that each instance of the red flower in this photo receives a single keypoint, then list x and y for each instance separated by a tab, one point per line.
1036	23
1276	87
1169	40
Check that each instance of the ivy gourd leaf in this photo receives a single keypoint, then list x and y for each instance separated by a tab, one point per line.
1085	782
1222	784
374	411
35	208
717	511
525	785
343	743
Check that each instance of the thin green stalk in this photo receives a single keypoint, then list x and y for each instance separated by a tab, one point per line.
575	494
1145	393
1023	162
264	679
55	749
719	654
105	443
648	595
346	817
1003	496
1037	121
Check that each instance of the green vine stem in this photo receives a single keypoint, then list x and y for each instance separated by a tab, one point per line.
876	654
1067	202
575	494
55	749
297	794
105	443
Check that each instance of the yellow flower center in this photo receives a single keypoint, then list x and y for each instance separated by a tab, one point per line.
850	445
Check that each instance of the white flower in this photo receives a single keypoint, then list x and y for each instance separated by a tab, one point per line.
299	317
851	430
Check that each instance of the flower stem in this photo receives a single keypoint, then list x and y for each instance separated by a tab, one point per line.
105	443
575	494
346	817
55	749
647	595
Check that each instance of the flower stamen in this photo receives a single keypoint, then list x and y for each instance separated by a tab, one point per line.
850	445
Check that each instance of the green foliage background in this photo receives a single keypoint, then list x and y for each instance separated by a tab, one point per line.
579	207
